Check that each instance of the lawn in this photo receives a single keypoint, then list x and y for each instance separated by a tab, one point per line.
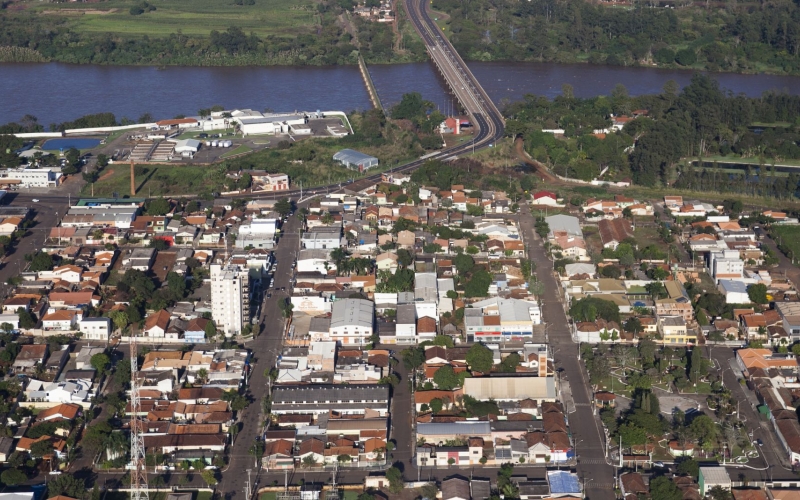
204	495
238	151
618	387
702	388
789	236
269	495
151	180
193	17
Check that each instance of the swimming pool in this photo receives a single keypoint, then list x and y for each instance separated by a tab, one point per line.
66	143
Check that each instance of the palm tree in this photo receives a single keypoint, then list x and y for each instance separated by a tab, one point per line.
202	375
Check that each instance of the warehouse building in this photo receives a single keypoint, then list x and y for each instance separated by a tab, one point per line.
351	158
271	124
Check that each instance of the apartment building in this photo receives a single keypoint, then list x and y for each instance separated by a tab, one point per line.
230	298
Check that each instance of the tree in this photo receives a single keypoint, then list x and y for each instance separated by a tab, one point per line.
720	493
413	357
704	429
478	286
758	293
395	478
158	207
662	488
26	319
209	477
40	261
100	362
13	477
67	485
42	448
689	467
211	329
283	207
464	263
436	405
445	378
480	358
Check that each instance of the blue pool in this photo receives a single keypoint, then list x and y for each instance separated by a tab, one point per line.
66	143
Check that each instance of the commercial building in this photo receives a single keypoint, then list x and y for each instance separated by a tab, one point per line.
257	124
565	223
790	315
352	322
351	158
539	389
318	399
735	291
230	298
499	320
260	233
27	177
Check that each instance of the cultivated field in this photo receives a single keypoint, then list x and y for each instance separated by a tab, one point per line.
190	17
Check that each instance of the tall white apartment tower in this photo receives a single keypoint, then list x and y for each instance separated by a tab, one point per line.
230	298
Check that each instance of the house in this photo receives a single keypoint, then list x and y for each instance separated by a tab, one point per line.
6	448
545	198
673	330
750	360
64	411
386	262
156	324
195	331
95	328
29	357
63	319
711	477
312	450
632	483
278	455
456	488
613	232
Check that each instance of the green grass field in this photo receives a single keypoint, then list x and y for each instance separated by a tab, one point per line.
191	17
155	180
789	236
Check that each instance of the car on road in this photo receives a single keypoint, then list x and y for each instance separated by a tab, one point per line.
269	295
35	200
760	442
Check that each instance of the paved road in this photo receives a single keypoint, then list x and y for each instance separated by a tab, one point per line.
265	349
586	430
772	459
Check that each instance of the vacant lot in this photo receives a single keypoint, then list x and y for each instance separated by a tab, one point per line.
192	17
789	236
155	180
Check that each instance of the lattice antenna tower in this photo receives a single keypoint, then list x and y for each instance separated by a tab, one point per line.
137	465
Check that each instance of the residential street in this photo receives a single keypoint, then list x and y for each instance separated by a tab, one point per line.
586	429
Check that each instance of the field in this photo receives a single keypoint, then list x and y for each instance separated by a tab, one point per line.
155	180
789	236
190	17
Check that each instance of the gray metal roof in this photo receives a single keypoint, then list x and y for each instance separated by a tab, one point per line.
354	157
320	393
566	223
355	312
454	428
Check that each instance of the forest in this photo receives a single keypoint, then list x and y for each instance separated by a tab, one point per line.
737	38
699	122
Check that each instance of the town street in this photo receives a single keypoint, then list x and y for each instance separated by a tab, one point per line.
587	432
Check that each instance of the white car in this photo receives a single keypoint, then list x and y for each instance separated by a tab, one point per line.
36	200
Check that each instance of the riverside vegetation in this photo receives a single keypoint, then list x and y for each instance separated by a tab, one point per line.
698	122
717	37
198	33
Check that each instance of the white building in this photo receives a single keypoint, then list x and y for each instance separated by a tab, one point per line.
352	322
735	291
96	328
270	124
314	261
260	233
230	298
33	177
497	320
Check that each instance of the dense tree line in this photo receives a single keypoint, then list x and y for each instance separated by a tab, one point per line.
699	121
734	38
52	38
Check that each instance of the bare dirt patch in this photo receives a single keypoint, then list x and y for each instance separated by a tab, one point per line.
78	12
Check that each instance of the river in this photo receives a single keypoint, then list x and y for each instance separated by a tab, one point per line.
57	92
